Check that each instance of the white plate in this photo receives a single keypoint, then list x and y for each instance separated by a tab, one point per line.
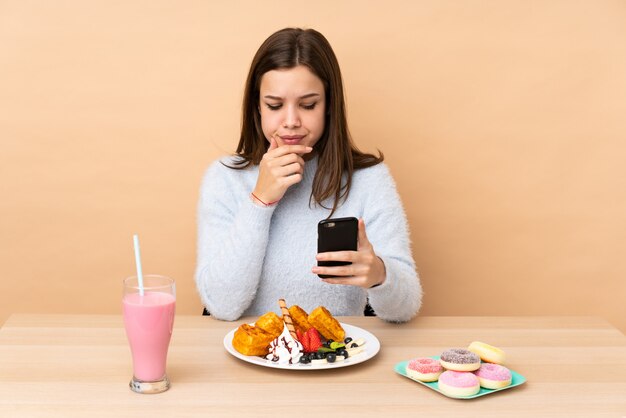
370	349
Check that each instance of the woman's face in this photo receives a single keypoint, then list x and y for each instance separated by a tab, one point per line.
292	103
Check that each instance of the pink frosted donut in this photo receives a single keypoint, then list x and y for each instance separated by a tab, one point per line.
493	376
424	369
458	384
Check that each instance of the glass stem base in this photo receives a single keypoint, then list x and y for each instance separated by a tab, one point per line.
158	386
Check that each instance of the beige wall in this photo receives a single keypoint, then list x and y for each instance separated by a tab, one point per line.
502	121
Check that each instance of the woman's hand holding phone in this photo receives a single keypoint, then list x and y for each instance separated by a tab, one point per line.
281	167
367	269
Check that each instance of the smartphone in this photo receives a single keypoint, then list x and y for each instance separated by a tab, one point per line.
338	234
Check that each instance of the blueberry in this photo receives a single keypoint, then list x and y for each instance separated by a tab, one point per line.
305	360
342	352
312	356
353	345
331	357
319	356
347	340
330	341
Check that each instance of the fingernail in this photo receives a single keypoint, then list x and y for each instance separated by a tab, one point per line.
309	148
315	270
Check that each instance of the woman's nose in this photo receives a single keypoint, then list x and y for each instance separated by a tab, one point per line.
292	118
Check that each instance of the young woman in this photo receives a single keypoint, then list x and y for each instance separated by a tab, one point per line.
294	166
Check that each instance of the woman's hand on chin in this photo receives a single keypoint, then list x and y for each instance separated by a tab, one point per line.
280	168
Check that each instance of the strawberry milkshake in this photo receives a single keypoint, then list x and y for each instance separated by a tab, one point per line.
149	320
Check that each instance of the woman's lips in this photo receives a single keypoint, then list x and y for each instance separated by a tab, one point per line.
292	139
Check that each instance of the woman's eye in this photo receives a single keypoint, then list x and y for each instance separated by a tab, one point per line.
309	106
273	107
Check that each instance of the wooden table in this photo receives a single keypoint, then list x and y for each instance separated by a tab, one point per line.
79	366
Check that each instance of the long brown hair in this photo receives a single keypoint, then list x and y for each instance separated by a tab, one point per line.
337	154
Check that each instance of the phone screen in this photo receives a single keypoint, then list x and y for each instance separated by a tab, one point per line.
338	234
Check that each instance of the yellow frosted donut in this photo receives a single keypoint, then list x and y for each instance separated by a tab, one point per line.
487	353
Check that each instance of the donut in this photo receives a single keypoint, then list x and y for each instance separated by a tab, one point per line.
458	384
424	369
493	376
487	352
459	360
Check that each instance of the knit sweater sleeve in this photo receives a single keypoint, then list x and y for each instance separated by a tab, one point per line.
399	298
232	237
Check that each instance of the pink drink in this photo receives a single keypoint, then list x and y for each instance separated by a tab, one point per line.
149	320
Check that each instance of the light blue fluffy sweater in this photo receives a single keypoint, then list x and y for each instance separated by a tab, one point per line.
250	256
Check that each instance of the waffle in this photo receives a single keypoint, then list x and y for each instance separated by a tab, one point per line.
300	318
326	324
252	341
270	323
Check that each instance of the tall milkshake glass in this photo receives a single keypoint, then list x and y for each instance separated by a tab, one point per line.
149	320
